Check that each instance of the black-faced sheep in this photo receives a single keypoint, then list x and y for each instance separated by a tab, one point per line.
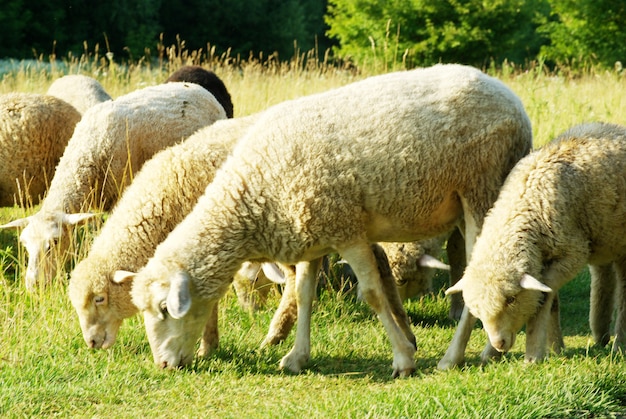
111	142
398	157
34	130
207	79
562	207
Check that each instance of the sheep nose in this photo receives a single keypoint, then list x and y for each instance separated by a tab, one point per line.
94	343
164	364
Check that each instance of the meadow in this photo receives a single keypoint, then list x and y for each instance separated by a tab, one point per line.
47	370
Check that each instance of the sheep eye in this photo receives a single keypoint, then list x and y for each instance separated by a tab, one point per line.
510	300
163	308
99	299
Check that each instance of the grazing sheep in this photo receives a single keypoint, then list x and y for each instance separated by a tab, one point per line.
34	130
111	141
162	193
398	157
562	207
208	80
413	265
82	92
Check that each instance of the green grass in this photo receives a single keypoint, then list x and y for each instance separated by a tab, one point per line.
47	370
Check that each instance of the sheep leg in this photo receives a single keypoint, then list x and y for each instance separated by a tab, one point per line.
210	337
555	335
455	354
619	344
362	260
602	302
306	273
457	261
537	331
242	283
390	289
285	315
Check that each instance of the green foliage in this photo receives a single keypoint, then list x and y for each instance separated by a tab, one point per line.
424	32
584	32
14	21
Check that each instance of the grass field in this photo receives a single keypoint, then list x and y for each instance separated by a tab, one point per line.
47	370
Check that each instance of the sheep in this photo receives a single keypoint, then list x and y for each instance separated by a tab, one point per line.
161	194
34	130
562	207
111	141
413	266
80	91
397	157
207	79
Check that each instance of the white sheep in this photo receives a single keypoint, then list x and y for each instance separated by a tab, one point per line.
159	197
34	130
398	157
562	207
111	142
80	91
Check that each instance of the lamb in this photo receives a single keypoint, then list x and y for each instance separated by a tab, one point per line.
80	91
398	157
34	130
559	210
161	194
207	79
111	141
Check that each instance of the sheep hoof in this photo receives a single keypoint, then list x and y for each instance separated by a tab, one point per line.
488	354
407	372
293	363
446	364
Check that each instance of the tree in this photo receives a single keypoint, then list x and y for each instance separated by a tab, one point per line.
585	32
425	32
14	19
244	26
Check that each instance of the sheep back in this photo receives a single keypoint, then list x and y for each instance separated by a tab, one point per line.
115	138
34	130
80	91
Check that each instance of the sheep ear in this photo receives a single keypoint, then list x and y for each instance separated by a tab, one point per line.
456	288
72	219
120	277
531	283
428	261
273	273
19	223
179	298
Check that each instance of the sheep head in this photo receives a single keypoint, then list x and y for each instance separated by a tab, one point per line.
503	306
174	316
46	243
101	300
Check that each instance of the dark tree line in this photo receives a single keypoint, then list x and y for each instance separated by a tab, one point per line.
129	28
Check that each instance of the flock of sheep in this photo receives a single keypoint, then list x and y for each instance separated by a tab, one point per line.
384	172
